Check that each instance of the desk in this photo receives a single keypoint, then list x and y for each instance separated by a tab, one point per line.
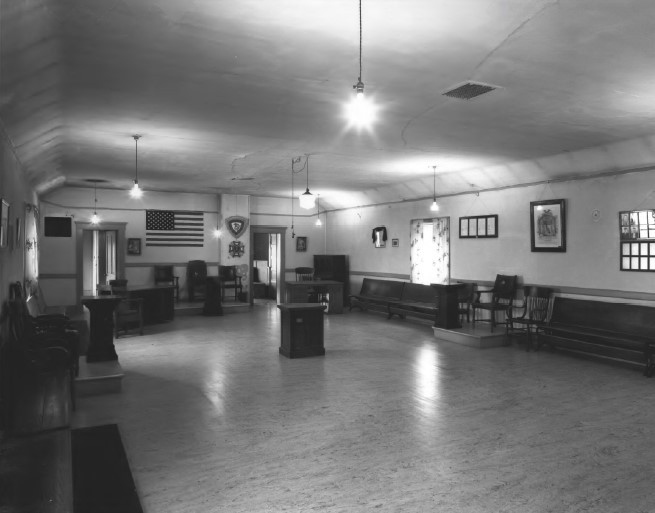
158	301
297	292
101	339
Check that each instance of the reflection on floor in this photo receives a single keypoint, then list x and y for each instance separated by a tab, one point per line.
391	419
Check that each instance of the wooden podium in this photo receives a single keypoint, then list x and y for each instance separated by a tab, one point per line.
302	330
448	306
101	339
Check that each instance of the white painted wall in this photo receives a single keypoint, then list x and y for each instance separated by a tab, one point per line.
592	256
58	258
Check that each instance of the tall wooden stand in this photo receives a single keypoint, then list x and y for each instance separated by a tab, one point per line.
448	306
101	337
302	330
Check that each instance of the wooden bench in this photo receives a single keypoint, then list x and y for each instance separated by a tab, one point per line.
620	332
416	300
396	298
376	294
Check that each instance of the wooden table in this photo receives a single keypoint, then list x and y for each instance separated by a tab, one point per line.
298	291
101	337
158	301
302	330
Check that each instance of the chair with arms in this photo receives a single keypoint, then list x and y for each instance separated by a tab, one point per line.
229	279
533	312
196	278
164	275
129	311
464	299
500	299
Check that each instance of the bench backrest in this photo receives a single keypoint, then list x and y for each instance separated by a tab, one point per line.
622	317
383	288
419	292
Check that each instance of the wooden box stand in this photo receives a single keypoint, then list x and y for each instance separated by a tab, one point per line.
302	330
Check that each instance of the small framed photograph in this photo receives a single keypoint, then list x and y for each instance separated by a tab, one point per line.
301	244
394	243
133	246
548	225
4	225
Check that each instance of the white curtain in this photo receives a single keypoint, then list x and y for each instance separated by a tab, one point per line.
430	250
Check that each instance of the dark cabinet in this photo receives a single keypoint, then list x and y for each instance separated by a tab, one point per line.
333	267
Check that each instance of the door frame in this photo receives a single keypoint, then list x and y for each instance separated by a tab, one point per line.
282	232
80	227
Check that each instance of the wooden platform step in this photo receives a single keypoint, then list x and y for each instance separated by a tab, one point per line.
478	335
98	378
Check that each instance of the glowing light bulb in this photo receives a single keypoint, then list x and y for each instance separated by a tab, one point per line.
95	219
136	191
434	207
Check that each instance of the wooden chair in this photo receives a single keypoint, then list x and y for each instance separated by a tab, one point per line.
307	274
533	313
196	278
129	311
464	299
229	279
164	275
502	297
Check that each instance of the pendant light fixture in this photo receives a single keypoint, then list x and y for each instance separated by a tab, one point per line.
318	216
359	86
94	218
361	110
136	192
434	207
307	199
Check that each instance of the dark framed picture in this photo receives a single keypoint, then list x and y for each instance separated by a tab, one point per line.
478	227
301	244
394	243
548	225
133	246
4	225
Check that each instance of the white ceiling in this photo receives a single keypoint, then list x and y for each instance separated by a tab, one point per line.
223	91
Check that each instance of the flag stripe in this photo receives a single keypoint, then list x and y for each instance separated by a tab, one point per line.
171	228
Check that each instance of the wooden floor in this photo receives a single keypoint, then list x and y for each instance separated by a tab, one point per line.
391	419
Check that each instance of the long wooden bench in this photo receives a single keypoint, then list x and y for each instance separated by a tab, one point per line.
396	298
620	332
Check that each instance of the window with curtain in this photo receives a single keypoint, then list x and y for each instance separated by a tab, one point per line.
430	250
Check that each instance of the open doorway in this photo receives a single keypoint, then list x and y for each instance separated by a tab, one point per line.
98	259
100	254
267	263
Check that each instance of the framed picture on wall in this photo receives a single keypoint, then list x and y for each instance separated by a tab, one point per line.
394	243
548	225
301	244
4	224
134	246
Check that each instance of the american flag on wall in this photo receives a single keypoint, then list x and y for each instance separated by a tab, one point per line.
174	228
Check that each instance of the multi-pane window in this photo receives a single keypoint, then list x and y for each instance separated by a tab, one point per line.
637	230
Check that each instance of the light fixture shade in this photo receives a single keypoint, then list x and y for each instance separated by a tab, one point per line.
217	233
318	222
434	207
307	199
95	219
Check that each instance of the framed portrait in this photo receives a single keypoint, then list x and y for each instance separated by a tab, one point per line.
4	225
394	243
548	225
134	246
301	244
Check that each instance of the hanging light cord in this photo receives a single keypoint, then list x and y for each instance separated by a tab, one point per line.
434	183
136	158
360	41
95	199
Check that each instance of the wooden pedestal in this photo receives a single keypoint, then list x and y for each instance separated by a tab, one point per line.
302	330
448	306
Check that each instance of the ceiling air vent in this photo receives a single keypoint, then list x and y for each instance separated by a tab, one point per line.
469	90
